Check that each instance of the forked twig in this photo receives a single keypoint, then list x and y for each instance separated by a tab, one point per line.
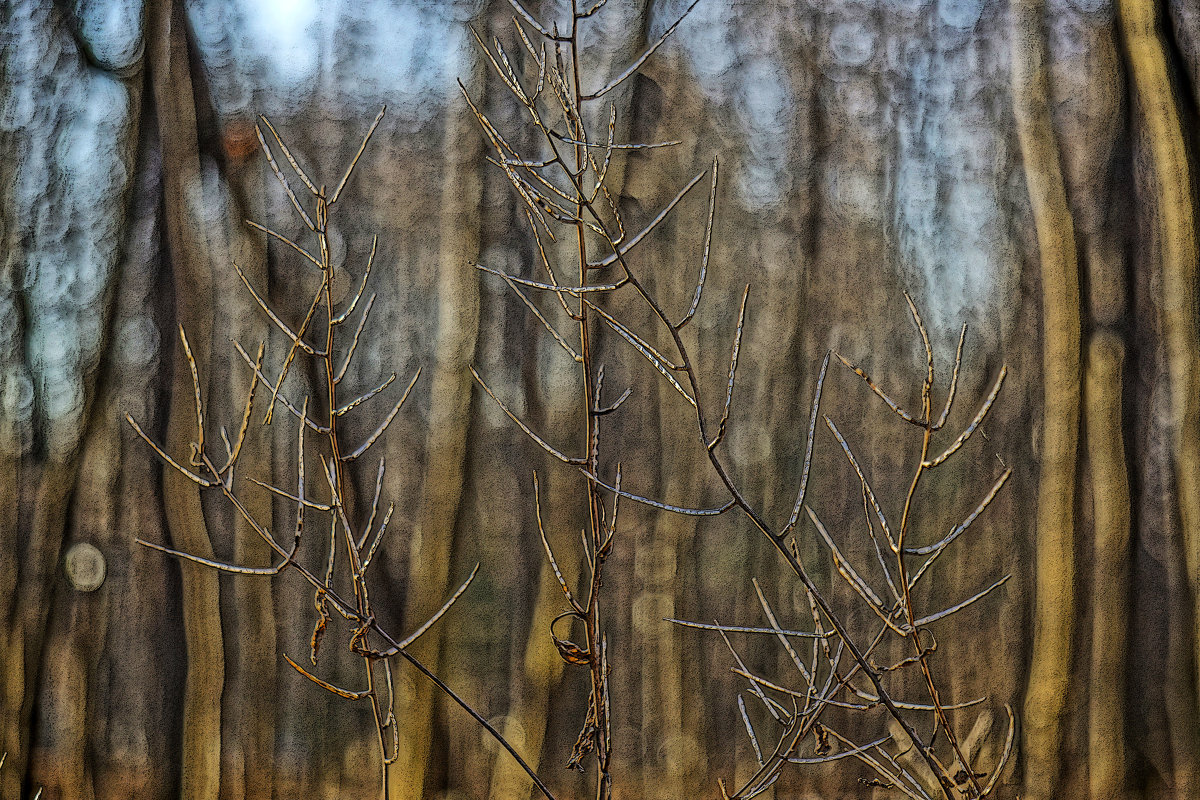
637	64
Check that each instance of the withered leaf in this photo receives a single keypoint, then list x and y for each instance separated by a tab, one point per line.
586	742
319	629
571	652
823	747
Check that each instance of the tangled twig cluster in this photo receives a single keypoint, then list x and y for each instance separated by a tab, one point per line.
828	677
319	338
563	182
563	186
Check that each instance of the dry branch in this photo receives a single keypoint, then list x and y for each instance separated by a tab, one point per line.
324	320
563	188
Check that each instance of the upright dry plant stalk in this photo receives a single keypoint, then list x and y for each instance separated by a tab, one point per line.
562	183
339	585
565	191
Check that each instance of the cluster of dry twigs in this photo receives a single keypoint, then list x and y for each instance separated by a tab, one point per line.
562	183
318	337
842	676
564	186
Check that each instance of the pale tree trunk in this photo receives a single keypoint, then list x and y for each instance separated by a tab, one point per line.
193	280
1054	600
1158	112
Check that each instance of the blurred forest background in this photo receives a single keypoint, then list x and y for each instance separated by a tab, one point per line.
1025	167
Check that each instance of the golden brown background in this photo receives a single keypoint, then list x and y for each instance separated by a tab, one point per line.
1026	167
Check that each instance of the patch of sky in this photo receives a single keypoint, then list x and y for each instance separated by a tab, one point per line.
707	38
346	58
749	75
764	105
948	220
960	14
70	126
285	35
851	43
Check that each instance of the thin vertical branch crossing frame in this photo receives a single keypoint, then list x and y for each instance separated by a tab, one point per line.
564	192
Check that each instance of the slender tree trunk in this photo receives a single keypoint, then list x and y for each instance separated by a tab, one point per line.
250	707
42	531
1110	579
451	389
542	665
1157	111
172	91
1054	599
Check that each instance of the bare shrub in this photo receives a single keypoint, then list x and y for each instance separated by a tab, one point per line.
561	180
340	585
